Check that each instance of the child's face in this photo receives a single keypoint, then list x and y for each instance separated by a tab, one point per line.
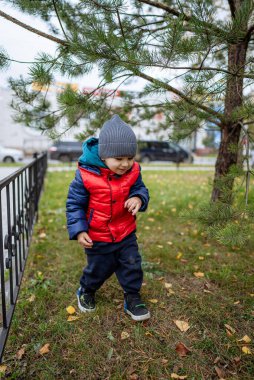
119	165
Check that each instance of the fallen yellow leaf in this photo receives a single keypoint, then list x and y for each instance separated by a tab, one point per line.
167	285
182	325
3	368
169	243
179	255
201	257
72	318
44	349
32	298
246	350
153	300
20	353
42	235
199	274
175	376
245	339
173	209
229	328
124	335
70	310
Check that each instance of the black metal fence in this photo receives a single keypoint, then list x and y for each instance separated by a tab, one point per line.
19	198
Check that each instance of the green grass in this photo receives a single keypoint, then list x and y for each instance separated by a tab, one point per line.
173	250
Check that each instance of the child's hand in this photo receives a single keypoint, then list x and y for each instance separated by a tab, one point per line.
84	240
133	205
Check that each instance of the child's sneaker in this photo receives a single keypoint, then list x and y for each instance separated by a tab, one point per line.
86	301
134	306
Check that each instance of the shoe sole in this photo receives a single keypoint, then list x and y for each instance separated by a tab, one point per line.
83	309
138	317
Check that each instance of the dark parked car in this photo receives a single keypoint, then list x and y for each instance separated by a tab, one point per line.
162	151
65	151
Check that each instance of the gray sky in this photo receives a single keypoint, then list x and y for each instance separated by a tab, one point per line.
23	45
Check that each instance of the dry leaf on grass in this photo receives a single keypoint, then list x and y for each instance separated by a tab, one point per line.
182	325
170	292
70	310
245	339
32	298
42	235
237	360
182	350
44	349
175	376
179	255
124	335
219	372
229	329
20	353
153	300
167	285
199	274
133	376
3	368
72	318
246	350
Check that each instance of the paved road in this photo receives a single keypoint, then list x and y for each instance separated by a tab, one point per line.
5	172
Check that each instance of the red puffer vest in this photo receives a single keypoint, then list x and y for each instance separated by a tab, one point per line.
107	218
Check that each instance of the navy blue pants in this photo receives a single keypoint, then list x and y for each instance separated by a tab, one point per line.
104	259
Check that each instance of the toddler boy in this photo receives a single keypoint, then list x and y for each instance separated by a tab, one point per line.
102	204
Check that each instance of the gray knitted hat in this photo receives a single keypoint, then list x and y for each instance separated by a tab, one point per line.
117	139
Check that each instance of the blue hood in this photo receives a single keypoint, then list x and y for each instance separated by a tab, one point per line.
90	154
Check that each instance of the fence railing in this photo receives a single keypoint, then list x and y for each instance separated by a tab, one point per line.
19	198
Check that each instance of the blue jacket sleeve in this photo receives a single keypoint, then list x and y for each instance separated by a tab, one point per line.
76	207
139	190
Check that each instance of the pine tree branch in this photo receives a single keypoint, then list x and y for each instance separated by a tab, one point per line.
166	8
147	24
33	30
121	26
166	86
185	17
59	20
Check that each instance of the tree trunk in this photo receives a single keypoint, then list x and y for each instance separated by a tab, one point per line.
231	130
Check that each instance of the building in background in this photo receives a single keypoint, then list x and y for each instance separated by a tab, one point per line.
15	135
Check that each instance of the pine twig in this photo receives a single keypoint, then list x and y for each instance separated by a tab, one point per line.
33	30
